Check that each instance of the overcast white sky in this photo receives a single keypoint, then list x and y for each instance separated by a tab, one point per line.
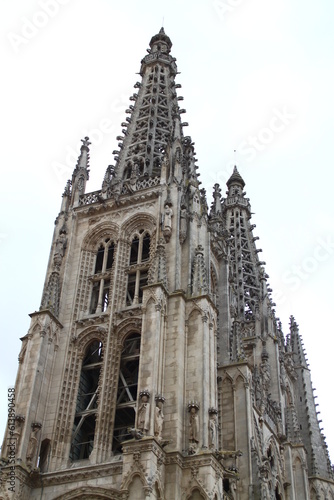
256	75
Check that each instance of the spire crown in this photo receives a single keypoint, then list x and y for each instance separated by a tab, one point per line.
161	42
235	178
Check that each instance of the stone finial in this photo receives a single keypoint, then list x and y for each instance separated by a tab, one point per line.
67	190
83	160
216	207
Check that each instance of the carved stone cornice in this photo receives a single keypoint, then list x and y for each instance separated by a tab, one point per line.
84	473
48	313
139	199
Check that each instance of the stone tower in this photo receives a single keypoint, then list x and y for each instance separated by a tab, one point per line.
155	367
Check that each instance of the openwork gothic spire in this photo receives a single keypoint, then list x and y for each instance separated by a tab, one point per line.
246	267
153	118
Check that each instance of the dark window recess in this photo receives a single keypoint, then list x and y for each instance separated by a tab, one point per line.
277	495
83	445
99	260
141	167
142	282
105	298
124	419
127	172
139	254
226	485
95	297
44	455
130	294
134	251
127	391
110	258
86	407
146	248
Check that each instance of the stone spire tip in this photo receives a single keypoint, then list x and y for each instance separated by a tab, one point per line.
235	178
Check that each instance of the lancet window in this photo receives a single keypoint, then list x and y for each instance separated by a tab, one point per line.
101	279
137	274
125	416
86	406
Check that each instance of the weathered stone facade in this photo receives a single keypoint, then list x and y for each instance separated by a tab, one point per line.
155	367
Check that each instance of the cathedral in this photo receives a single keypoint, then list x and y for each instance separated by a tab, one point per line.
155	367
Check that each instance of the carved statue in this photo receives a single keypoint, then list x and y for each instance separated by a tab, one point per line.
158	419
60	245
193	425
168	214
183	224
213	430
257	387
167	222
265	371
132	183
143	421
33	442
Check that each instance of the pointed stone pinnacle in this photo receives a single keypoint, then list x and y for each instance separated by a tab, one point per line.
235	178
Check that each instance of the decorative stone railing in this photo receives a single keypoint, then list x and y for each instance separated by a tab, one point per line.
87	199
236	199
96	196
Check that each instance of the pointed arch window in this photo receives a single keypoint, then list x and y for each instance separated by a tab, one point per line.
101	280
86	406
137	272
125	415
44	455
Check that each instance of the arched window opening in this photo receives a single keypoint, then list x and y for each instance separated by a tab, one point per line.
86	407
44	455
95	297
146	247
125	416
134	250
99	260
143	280
138	271
101	282
110	256
130	294
105	295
